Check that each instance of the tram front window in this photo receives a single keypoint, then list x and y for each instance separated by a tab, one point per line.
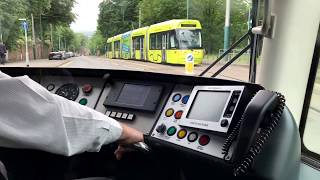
189	39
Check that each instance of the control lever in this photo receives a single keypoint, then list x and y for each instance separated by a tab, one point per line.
141	146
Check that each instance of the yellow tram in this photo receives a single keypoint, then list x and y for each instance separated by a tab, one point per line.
170	42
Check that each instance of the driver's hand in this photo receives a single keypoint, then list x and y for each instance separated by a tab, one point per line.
128	137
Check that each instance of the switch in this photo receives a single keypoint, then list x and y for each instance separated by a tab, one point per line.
83	101
113	114
178	114
185	99
87	88
130	117
224	123
169	112
204	140
161	128
171	131
119	114
50	87
108	113
124	116
192	137
182	133
176	97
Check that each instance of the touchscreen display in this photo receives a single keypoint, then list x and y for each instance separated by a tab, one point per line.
132	94
208	105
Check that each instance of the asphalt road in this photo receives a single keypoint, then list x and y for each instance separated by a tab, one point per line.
234	72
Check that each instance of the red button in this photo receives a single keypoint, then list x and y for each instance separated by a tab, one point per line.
204	140
87	88
178	114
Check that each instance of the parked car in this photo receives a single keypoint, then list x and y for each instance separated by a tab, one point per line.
61	55
70	54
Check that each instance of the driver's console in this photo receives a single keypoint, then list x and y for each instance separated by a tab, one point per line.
195	128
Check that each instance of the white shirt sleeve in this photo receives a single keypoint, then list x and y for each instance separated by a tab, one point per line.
33	118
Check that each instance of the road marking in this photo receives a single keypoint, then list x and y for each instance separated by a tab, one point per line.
66	64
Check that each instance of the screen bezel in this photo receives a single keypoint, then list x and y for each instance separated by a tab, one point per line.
210	125
151	102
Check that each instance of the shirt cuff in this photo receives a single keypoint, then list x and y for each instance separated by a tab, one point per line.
115	130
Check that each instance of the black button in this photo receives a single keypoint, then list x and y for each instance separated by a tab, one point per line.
234	101
224	123
50	87
161	128
231	108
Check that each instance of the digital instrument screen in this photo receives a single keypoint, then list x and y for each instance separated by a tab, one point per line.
132	94
208	105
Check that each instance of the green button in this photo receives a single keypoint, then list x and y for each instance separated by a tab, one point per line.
83	101
171	131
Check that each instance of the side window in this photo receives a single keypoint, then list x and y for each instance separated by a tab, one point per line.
173	42
152	41
138	43
310	119
117	45
109	47
158	41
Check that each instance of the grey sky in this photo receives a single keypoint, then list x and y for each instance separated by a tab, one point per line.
87	15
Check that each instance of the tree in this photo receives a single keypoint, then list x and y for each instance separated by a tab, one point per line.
97	43
55	12
117	16
10	29
161	10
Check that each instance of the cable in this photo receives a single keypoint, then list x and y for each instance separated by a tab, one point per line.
246	162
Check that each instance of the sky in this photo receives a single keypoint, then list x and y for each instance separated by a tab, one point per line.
87	15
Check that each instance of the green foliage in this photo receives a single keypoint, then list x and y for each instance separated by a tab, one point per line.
45	12
10	12
97	43
211	14
156	11
117	16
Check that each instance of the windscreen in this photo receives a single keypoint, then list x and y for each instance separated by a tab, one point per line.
208	105
189	39
101	34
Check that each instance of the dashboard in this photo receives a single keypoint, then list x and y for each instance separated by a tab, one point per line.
196	117
182	117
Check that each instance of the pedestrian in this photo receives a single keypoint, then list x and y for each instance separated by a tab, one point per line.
3	51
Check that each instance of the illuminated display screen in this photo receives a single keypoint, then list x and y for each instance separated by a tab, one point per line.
208	105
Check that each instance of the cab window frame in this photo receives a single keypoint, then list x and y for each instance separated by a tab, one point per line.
308	156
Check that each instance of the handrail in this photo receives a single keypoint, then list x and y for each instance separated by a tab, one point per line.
226	52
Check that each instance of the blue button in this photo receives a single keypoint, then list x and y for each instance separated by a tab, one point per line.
185	99
176	97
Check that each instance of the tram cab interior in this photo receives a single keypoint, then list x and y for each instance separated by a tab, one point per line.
195	127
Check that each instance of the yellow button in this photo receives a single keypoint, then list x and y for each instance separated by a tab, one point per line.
182	133
169	112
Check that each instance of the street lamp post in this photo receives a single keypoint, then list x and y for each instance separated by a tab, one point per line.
25	27
187	9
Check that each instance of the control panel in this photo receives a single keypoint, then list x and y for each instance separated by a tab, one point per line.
199	117
84	90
